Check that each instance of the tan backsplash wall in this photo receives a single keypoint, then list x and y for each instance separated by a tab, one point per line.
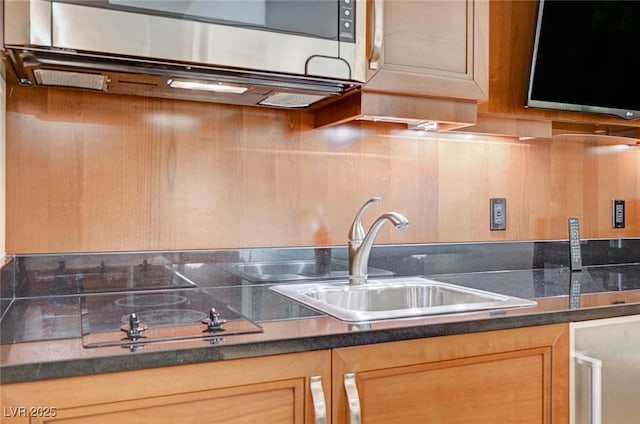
3	160
91	172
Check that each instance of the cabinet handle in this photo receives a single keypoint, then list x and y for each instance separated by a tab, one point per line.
352	398
596	384
377	34
317	396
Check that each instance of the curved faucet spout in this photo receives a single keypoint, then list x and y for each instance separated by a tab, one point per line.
359	260
356	232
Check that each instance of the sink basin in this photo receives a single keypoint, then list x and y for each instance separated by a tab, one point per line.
293	270
395	298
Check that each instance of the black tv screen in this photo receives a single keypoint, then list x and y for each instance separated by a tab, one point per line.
586	57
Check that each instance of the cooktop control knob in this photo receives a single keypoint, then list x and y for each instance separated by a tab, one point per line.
214	322
135	328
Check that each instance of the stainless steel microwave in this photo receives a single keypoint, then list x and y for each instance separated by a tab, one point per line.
305	45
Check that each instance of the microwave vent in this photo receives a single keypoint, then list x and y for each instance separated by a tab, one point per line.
291	100
58	78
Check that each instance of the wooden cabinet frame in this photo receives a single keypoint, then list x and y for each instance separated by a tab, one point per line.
270	389
451	379
436	379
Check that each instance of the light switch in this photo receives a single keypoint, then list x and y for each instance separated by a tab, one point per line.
617	213
498	213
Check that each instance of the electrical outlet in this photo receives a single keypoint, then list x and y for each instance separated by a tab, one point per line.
498	213
618	213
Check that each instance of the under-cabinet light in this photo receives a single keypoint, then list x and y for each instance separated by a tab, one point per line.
218	87
424	126
412	124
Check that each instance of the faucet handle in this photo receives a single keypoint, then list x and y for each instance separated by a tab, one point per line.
356	232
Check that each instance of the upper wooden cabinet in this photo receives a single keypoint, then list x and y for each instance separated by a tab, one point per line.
432	66
435	48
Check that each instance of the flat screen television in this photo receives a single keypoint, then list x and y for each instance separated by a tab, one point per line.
586	57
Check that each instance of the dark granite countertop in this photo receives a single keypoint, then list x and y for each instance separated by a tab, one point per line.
42	330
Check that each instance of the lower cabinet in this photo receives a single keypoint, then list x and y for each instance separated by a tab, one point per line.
504	376
272	389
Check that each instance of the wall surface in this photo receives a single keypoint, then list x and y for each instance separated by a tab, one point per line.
95	172
3	161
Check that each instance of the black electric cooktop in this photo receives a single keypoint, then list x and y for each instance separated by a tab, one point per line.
132	319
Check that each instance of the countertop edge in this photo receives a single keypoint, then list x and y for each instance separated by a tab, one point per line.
20	373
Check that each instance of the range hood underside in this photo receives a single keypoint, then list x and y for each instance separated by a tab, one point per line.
133	76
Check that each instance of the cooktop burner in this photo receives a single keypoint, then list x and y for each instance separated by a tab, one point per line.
133	319
168	316
102	279
150	300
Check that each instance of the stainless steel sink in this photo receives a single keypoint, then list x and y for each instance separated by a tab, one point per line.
395	298
294	270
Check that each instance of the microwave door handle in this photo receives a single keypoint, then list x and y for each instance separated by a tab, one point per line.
376	34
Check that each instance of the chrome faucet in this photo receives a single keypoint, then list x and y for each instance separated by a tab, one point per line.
360	243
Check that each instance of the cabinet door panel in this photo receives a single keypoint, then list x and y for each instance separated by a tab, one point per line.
272	389
515	376
269	403
433	36
435	48
497	389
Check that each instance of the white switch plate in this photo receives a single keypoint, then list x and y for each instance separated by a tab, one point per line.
498	214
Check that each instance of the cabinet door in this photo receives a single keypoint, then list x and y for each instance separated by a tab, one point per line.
506	376
273	389
434	48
